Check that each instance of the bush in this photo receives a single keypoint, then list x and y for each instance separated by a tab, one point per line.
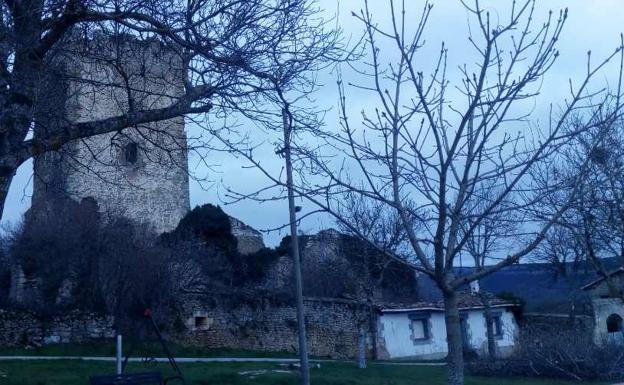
205	233
207	223
55	245
566	352
5	274
78	261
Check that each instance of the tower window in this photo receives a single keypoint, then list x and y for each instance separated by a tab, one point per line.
131	153
614	323
201	322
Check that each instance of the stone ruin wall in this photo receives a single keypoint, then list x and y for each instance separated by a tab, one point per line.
580	326
262	325
249	240
20	328
331	326
153	187
554	322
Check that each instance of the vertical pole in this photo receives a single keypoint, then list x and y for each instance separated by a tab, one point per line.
362	347
119	354
303	346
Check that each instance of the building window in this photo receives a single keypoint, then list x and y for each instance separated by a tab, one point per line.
420	328
614	323
497	325
201	323
131	153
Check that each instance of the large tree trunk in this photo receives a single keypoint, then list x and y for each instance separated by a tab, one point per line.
18	101
489	326
5	183
455	358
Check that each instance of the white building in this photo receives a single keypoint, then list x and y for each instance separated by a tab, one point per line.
607	307
419	330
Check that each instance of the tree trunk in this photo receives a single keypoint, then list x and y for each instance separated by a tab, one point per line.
489	326
303	346
362	347
5	184
455	358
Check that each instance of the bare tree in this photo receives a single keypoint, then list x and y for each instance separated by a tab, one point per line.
430	161
484	245
232	56
371	262
226	51
564	350
452	168
282	112
592	230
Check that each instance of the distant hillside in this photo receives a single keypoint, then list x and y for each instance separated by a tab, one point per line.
544	287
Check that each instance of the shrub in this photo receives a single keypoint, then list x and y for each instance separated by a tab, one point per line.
78	261
566	352
55	245
206	235
207	223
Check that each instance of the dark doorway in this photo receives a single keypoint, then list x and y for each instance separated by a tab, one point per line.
614	323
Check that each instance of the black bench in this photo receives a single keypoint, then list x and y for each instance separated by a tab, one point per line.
145	378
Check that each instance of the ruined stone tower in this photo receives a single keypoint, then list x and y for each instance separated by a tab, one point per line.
139	172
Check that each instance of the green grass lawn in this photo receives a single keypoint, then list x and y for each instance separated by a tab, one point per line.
78	372
153	349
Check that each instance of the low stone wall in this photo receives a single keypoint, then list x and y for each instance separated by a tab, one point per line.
23	328
553	332
557	322
222	321
331	324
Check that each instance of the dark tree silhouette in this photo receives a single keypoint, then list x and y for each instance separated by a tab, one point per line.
229	54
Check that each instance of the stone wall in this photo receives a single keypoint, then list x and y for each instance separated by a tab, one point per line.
556	322
263	324
547	331
603	309
249	239
23	328
267	325
139	172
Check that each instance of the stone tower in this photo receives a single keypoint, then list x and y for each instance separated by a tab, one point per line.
139	172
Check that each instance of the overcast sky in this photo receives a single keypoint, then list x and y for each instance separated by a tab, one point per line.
592	24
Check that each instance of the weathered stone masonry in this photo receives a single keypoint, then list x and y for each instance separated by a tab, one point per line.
139	172
332	326
24	328
221	322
